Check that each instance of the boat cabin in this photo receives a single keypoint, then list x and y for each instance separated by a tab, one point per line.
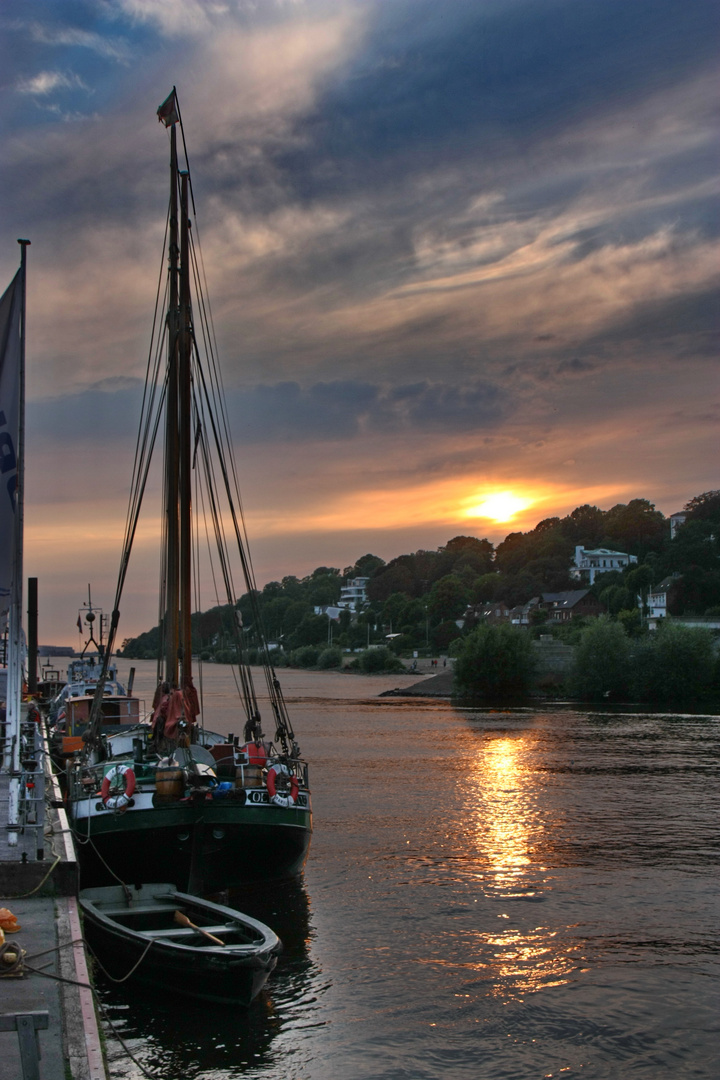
117	712
88	667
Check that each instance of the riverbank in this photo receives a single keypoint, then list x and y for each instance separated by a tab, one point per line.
437	686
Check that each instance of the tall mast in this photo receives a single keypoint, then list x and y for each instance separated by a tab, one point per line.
184	357
172	569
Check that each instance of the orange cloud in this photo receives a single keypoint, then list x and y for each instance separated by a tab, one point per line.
442	502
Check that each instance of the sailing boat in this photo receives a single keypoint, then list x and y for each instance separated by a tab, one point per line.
69	709
170	800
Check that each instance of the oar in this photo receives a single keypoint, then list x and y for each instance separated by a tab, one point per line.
184	921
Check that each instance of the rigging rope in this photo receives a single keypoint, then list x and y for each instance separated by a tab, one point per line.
211	415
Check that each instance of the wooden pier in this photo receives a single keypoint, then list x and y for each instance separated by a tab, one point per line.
48	1024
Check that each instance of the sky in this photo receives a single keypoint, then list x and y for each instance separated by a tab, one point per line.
454	251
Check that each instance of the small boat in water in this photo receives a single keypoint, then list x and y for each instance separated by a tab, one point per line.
179	943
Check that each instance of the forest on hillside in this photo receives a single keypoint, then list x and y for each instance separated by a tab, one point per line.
422	596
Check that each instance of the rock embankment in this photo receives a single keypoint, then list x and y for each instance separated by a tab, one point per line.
434	686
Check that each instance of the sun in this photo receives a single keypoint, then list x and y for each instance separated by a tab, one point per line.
502	506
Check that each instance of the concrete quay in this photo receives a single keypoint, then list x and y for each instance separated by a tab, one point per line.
42	894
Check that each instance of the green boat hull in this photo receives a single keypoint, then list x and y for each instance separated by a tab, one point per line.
200	847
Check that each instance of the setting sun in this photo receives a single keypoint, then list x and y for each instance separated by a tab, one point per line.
502	506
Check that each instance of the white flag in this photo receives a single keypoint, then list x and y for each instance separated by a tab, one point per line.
10	354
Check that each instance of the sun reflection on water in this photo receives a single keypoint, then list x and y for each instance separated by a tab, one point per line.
509	819
505	819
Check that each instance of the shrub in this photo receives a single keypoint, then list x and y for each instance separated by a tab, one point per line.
306	656
495	663
675	666
602	662
330	658
226	656
379	659
631	620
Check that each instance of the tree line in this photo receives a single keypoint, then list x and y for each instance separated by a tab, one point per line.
676	666
427	601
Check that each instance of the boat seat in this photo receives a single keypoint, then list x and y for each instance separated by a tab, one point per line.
186	931
136	909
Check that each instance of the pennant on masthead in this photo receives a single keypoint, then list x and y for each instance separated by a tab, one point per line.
168	111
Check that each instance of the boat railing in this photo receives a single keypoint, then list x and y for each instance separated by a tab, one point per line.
84	780
296	767
30	824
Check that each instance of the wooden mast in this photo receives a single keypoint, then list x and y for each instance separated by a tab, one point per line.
185	441
172	569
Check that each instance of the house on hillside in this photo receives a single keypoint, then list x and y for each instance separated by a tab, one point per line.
353	595
660	599
590	563
676	520
331	610
495	612
563	606
520	614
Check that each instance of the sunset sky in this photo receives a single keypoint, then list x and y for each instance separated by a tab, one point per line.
462	258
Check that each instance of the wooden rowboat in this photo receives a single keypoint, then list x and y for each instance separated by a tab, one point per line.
179	944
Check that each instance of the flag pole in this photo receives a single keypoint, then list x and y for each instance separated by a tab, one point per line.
15	674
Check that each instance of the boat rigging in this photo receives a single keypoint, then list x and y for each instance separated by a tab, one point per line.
184	407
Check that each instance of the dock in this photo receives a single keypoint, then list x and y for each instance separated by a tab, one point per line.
48	1022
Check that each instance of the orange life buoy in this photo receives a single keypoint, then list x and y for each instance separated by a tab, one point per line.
256	753
271	782
118	802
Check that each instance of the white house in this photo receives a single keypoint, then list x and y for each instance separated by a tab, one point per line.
676	520
353	595
588	564
657	601
331	610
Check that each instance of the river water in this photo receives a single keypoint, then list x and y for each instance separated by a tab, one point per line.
489	894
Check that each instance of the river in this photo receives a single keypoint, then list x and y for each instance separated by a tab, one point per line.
495	894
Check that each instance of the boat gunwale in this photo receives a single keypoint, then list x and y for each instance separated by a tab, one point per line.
267	948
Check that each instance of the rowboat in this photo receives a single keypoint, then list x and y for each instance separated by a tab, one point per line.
178	943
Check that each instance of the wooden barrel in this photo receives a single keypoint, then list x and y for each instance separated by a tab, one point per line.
249	776
169	783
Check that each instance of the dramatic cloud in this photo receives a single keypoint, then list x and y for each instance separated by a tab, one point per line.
113	48
322	412
451	250
47	82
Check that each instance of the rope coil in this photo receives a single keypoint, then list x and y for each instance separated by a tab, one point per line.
11	960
